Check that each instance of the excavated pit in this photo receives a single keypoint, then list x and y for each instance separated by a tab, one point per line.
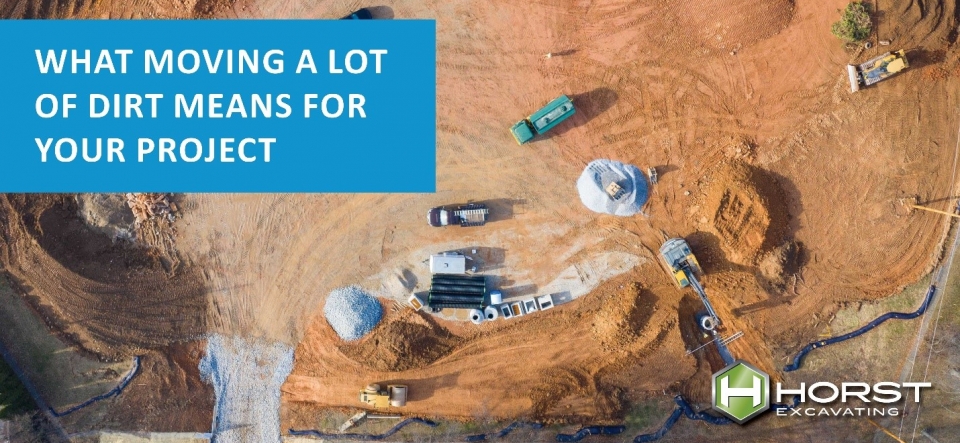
746	209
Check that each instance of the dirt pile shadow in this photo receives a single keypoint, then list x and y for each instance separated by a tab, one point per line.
407	341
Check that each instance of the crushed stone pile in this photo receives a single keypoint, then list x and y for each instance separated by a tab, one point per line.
352	312
595	189
246	378
148	206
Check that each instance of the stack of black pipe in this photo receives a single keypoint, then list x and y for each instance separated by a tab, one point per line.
457	291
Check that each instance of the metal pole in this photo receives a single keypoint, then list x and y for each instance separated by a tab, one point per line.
935	210
885	431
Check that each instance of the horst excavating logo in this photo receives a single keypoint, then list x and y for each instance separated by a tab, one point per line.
741	391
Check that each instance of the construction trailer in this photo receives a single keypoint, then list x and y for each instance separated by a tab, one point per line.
473	214
448	263
683	266
876	69
457	291
558	110
394	395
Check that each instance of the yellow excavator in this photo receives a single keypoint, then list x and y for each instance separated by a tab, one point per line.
683	265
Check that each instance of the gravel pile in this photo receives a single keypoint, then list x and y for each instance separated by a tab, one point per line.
352	312
597	177
246	378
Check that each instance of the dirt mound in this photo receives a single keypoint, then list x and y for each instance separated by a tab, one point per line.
745	208
779	264
726	25
211	8
622	316
110	298
407	341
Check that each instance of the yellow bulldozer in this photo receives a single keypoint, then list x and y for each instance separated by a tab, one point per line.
876	69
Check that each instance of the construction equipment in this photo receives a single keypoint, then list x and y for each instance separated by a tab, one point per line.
683	266
558	110
876	69
394	395
473	214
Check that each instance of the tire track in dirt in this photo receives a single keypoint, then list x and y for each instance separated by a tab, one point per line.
110	299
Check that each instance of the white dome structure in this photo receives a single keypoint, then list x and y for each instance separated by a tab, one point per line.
611	187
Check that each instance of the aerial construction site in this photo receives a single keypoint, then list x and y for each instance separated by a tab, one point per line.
631	195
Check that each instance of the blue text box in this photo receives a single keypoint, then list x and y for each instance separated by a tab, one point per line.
392	148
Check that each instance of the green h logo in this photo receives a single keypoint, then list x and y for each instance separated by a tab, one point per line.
741	391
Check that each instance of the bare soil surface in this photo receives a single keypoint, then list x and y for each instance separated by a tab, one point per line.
786	185
743	107
63	375
110	298
111	9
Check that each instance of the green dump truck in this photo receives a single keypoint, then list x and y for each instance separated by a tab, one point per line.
543	120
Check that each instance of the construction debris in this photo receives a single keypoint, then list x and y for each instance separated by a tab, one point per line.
149	206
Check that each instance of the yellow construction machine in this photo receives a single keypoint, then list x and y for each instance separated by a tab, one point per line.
683	265
394	395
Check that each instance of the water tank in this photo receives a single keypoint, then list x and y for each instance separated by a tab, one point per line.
496	297
491	313
398	396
